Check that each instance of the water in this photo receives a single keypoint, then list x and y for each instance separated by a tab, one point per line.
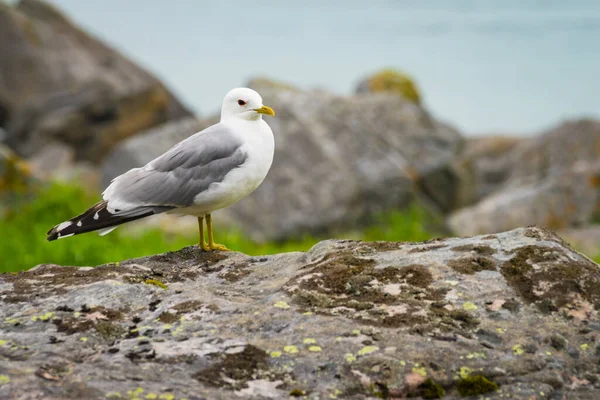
511	66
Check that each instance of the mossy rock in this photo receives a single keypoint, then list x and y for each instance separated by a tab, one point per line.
390	80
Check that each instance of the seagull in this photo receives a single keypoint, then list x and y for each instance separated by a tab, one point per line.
208	171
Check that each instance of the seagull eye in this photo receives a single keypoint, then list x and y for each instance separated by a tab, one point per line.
241	102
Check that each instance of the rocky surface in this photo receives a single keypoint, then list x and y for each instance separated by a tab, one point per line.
338	161
511	315
484	165
551	180
59	84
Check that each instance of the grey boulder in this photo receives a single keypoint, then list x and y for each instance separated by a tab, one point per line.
551	181
60	84
508	315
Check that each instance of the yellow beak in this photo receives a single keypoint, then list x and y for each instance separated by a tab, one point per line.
265	110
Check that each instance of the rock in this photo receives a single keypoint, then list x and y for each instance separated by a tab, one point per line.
59	84
553	182
338	162
348	318
392	81
484	165
50	158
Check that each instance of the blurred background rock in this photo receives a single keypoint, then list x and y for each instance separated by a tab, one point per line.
76	110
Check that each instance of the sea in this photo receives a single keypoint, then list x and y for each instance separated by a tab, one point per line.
485	66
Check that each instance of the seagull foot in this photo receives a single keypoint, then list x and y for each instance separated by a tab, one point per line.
204	246
220	247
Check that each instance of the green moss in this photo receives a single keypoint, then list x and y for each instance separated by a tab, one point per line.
232	371
474	385
110	331
472	264
431	390
570	278
390	80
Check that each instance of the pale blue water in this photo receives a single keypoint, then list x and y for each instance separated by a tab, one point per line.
512	66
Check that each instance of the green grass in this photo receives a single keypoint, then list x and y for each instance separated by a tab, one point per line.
23	234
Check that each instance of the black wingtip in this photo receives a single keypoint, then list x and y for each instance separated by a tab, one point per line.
95	218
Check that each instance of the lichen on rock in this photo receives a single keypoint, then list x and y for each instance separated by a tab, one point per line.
347	319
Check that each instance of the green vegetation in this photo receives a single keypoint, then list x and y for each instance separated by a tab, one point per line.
475	385
23	234
390	80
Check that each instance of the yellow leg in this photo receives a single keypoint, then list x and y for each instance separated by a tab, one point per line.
203	245
211	243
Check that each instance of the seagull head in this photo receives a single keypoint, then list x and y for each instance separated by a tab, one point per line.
244	103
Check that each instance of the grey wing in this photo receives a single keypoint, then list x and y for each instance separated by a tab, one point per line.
178	176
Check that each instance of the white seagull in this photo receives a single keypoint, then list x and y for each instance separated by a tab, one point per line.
208	171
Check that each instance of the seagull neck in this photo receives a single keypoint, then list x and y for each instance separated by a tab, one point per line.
237	119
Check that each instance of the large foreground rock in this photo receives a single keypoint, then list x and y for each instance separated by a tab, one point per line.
552	180
59	84
512	315
338	161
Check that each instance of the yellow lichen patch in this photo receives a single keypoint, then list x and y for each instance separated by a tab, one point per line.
113	395
403	363
420	370
281	304
156	282
469	306
367	350
44	317
309	341
290	349
83	339
307	313
350	357
465	372
501	331
2	342
339	339
315	349
178	330
4	379
9	320
151	396
476	355
135	394
275	354
166	396
518	350
584	347
356	332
